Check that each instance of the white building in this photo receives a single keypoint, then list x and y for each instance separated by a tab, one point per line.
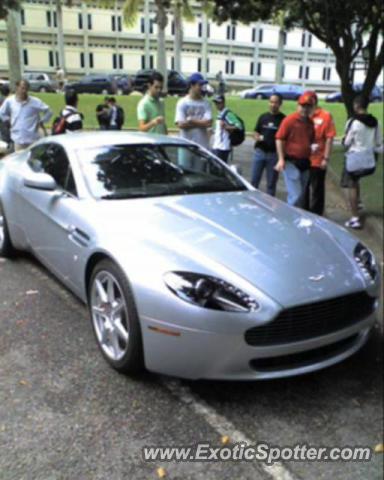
96	40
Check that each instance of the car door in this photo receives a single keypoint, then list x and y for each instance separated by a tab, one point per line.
48	214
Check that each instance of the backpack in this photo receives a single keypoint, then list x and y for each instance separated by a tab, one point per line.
237	136
58	125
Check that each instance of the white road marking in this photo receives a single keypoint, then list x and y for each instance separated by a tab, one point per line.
222	425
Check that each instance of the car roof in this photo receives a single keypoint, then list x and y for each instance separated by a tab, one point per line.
79	140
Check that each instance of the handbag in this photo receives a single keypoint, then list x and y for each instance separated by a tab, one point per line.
360	164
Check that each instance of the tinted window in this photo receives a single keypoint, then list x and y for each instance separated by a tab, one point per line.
52	159
132	171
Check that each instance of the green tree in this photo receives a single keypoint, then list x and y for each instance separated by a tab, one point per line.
348	29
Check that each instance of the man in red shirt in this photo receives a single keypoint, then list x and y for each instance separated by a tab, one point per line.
325	132
293	143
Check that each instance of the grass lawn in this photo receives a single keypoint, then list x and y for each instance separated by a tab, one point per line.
248	110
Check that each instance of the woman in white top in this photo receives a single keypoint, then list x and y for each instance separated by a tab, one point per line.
362	137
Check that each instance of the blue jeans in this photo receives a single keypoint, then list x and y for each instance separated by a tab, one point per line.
296	182
265	160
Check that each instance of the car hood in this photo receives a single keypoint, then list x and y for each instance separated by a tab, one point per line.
281	250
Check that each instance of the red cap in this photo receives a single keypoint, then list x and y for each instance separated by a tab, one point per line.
312	93
306	99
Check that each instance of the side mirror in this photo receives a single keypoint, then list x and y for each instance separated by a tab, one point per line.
40	181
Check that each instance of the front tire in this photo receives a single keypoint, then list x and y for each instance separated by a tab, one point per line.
259	96
6	247
114	318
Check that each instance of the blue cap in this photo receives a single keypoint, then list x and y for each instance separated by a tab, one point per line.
197	78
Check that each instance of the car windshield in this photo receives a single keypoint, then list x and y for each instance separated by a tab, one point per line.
139	171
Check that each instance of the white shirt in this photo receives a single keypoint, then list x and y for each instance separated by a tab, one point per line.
361	138
189	109
25	118
221	140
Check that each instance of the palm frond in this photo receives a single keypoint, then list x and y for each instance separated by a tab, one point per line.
131	11
187	11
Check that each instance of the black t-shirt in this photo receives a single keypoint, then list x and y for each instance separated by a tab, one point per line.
267	125
103	118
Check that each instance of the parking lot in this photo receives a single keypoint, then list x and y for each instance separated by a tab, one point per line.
65	414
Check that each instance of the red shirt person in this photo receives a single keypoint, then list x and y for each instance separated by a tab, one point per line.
293	143
325	132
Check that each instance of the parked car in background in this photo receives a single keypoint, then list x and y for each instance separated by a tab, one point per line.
41	82
105	84
124	84
177	83
288	92
375	96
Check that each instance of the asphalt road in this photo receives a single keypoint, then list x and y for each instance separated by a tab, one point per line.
65	414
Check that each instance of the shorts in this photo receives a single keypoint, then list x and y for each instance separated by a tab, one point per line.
348	180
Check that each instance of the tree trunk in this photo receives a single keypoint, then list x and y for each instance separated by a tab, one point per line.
280	57
347	93
161	20
178	41
14	47
60	35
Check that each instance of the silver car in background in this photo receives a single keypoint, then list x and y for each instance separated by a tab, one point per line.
186	269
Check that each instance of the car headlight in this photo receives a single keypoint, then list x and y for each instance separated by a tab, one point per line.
209	292
366	261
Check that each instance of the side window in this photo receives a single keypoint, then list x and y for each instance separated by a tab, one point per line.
52	159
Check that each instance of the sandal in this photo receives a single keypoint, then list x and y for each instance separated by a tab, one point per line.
354	223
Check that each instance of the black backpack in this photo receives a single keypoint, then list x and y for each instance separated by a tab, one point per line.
58	125
237	136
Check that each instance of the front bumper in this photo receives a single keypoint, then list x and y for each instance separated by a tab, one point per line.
201	354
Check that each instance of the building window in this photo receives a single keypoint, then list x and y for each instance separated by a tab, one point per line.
199	64
253	37
233	32
82	62
91	60
51	19
80	21
207	65
22	16
51	59
200	30
119	24
285	36
228	33
230	66
301	71
117	61
283	71
113	21
208	30
258	69
303	39
306	73
142	25
89	18
172	63
116	23
25	56
173	27
309	40
261	35
252	69
57	59
151	23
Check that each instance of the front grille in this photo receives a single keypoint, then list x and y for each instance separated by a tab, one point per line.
312	320
303	359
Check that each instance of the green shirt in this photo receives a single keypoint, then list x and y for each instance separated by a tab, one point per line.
148	109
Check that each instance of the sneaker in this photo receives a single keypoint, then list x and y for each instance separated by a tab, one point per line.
354	223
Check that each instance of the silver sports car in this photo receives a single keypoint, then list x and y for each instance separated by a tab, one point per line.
186	269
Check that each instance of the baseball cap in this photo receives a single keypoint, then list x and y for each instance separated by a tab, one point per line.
218	99
312	94
197	78
306	99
